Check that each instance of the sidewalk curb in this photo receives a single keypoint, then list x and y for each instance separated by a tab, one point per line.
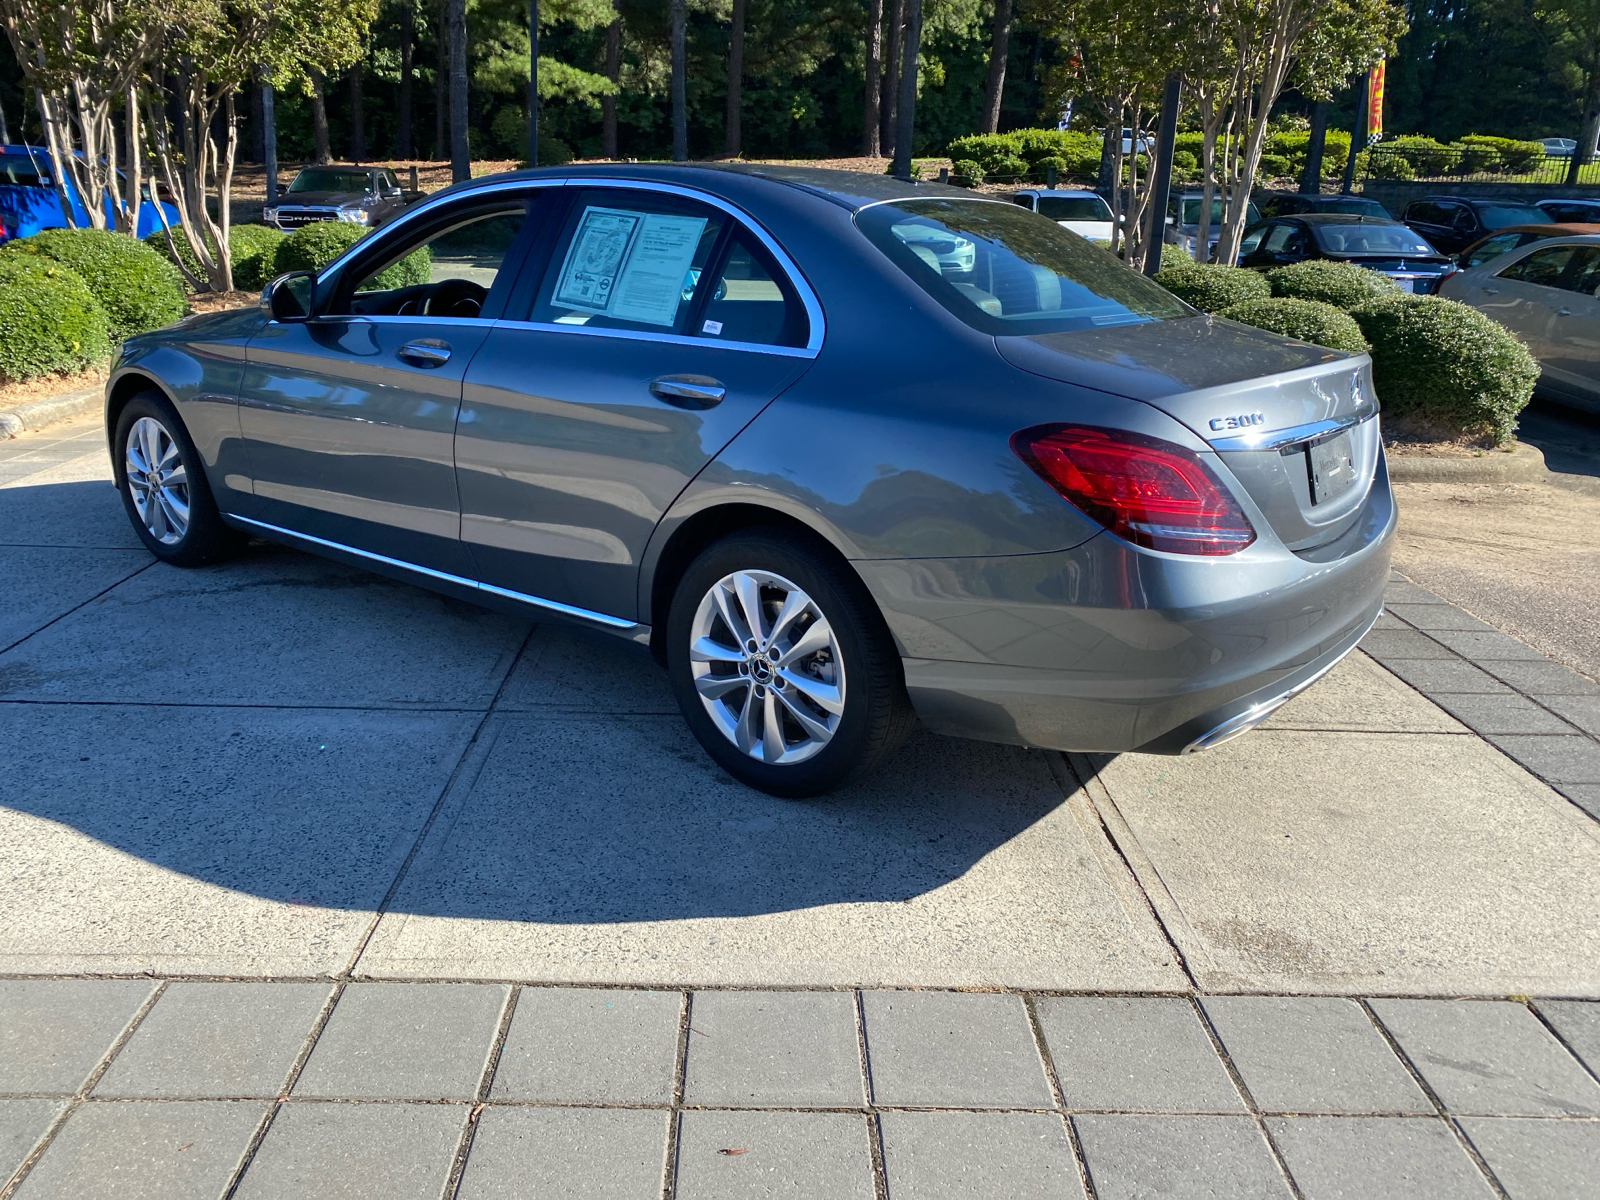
36	414
1522	464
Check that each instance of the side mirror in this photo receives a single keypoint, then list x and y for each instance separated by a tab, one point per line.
290	297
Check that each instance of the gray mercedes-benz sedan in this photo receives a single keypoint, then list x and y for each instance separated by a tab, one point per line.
844	452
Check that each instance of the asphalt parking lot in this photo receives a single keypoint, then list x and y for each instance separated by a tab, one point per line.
287	771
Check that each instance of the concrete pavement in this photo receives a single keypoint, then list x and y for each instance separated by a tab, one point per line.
289	771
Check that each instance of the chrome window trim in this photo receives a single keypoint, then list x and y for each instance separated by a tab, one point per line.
1278	439
808	300
615	624
674	339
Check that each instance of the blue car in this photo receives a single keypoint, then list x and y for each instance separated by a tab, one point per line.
29	203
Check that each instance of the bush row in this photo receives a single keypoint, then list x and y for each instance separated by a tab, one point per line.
69	296
1475	154
1025	154
261	253
1434	360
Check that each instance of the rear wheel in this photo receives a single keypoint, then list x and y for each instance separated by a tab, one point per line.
782	666
163	486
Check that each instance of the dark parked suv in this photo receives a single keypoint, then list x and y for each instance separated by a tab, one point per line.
358	195
1451	223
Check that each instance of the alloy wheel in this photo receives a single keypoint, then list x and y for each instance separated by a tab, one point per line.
158	481
767	667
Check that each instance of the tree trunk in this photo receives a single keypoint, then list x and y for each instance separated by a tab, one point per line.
5	130
887	122
1589	132
408	38
608	104
999	47
1110	141
257	145
680	98
905	116
358	118
871	135
441	104
533	83
319	120
1311	180
460	157
135	163
731	146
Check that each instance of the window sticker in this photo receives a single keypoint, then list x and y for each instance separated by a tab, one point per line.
631	266
595	258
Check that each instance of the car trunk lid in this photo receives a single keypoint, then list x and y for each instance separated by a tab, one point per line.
1291	421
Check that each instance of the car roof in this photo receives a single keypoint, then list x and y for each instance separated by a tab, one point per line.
1589	200
1481	200
1058	192
1319	218
1554	229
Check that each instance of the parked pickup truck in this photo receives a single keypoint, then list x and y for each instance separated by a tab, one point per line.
358	195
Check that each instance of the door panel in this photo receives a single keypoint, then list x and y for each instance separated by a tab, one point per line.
566	460
352	443
1572	339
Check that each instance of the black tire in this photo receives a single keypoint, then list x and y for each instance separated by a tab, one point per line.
205	538
876	715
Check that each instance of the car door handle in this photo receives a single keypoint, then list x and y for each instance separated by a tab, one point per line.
688	391
1491	291
1563	312
424	352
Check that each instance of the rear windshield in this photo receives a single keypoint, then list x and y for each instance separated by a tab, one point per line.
1363	238
324	179
19	170
1005	270
1074	208
1500	216
1361	208
1191	212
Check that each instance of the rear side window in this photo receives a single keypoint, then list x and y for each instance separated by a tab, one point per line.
1006	271
1542	267
751	301
1074	208
629	260
18	170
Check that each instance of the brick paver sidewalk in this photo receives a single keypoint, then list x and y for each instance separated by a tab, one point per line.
172	1089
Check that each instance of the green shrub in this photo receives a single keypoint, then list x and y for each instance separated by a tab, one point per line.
1504	155
1211	288
1423	153
1275	166
999	153
1447	364
1183	160
1175	258
49	319
137	288
254	249
1303	320
1343	285
966	171
1043	167
1385	166
1008	170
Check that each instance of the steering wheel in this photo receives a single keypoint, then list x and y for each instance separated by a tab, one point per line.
455	298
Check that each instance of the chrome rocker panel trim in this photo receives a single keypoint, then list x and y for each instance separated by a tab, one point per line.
618	625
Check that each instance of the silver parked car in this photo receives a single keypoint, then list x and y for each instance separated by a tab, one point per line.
1083	211
842	451
1545	293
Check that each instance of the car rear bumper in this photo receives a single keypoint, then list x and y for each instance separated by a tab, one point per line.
1108	648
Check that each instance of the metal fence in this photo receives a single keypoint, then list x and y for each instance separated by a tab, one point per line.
1471	164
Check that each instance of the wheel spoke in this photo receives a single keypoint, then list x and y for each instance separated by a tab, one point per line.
155	517
169	453
150	435
705	650
814	728
749	593
825	696
735	623
175	511
794	604
818	636
178	476
715	687
744	733
772	746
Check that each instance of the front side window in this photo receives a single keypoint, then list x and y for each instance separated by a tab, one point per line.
1282	239
1006	271
446	271
1074	208
1542	267
1491	248
1361	238
329	179
1583	275
629	260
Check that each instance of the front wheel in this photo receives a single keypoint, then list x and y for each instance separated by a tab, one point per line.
782	666
163	486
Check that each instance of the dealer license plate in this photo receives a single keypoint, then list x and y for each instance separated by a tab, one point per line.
1332	466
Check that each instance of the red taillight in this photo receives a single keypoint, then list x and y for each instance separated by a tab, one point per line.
1148	491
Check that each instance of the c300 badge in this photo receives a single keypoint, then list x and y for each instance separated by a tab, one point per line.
1242	421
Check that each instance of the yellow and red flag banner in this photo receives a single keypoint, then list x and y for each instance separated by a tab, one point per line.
1375	102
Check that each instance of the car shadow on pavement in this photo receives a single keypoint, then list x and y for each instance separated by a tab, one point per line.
305	732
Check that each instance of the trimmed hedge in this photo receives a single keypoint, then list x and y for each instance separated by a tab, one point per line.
1026	153
137	288
49	319
1211	288
252	247
1447	364
1303	320
312	247
1343	285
